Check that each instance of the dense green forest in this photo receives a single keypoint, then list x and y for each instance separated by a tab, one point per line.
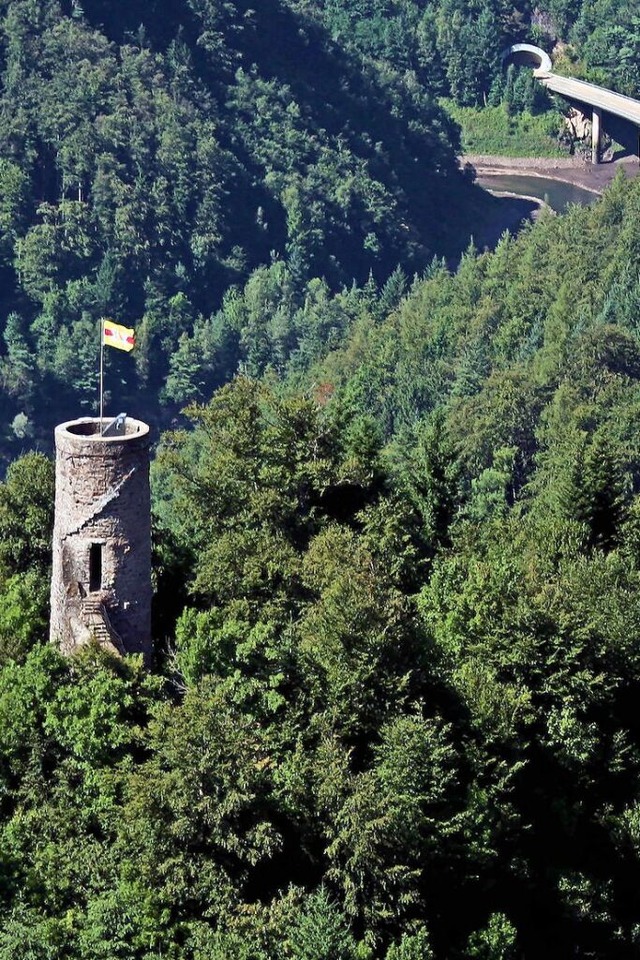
454	46
394	708
396	530
153	156
151	159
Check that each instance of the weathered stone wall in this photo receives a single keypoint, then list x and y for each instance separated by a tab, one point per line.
102	499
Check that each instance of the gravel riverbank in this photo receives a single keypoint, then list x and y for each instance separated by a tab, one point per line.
567	169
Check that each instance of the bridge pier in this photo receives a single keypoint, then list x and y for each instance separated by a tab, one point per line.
596	134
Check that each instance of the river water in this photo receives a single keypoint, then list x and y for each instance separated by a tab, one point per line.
554	192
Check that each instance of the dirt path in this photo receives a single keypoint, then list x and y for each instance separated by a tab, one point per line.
568	169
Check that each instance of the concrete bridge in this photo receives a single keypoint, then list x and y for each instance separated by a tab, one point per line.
619	115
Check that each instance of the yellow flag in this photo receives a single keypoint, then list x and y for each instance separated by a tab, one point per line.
114	335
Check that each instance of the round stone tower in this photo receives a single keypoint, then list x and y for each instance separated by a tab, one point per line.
101	577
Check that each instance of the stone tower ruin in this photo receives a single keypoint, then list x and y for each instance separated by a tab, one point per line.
101	577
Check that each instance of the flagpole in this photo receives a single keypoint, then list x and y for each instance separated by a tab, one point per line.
101	371
113	335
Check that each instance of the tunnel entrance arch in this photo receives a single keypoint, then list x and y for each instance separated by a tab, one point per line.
526	54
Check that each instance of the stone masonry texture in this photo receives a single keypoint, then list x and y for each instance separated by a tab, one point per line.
101	576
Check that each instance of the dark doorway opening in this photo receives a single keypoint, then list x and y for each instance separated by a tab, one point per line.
95	566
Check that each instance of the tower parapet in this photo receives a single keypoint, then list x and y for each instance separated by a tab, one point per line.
101	576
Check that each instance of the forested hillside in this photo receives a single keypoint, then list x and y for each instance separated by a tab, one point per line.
394	710
154	155
454	46
393	713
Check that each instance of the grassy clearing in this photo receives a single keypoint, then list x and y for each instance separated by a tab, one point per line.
490	130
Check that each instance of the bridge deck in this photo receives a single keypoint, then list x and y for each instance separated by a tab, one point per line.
616	103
